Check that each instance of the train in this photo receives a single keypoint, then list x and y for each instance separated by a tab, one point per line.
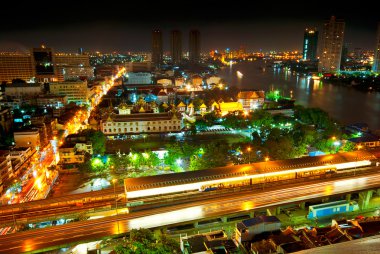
331	209
247	174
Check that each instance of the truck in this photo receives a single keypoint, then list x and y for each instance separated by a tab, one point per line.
332	208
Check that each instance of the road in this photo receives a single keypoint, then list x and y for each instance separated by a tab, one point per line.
157	217
71	205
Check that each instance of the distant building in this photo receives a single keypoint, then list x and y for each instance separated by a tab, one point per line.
138	67
251	100
51	101
23	90
194	46
6	171
73	66
6	121
176	46
376	58
331	45
310	44
224	108
16	65
157	48
43	64
75	91
139	78
27	138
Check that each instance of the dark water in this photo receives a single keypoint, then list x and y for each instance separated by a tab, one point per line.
344	104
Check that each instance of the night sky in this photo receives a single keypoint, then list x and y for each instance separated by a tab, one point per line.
112	26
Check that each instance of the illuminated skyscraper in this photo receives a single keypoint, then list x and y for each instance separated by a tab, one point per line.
310	43
194	46
176	46
376	58
331	45
157	47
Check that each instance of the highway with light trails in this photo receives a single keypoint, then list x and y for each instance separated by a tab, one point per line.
39	239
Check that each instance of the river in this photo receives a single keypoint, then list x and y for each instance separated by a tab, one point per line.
345	104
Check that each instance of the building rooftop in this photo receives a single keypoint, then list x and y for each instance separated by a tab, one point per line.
139	117
368	245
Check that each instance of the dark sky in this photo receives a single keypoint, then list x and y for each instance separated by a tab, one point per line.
112	26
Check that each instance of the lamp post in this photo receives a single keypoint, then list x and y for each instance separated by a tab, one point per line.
265	169
249	154
114	192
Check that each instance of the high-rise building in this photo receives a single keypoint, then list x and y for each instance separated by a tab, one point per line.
16	66
43	63
310	43
176	46
73	66
157	47
376	58
194	46
331	45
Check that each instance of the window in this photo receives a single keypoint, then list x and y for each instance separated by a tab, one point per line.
137	129
148	128
109	130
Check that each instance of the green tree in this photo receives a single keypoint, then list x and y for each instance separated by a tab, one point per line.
98	140
261	118
142	241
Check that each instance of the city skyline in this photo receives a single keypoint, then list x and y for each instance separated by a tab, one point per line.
258	29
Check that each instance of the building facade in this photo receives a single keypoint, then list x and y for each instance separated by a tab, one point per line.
75	91
23	90
114	124
157	48
72	66
27	138
6	170
376	58
43	59
310	44
139	78
176	46
44	65
16	66
194	46
331	45
251	100
74	153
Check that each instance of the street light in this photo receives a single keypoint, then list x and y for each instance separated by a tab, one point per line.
265	169
114	181
249	154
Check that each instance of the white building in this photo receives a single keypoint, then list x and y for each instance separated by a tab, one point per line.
23	90
251	100
139	78
114	124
